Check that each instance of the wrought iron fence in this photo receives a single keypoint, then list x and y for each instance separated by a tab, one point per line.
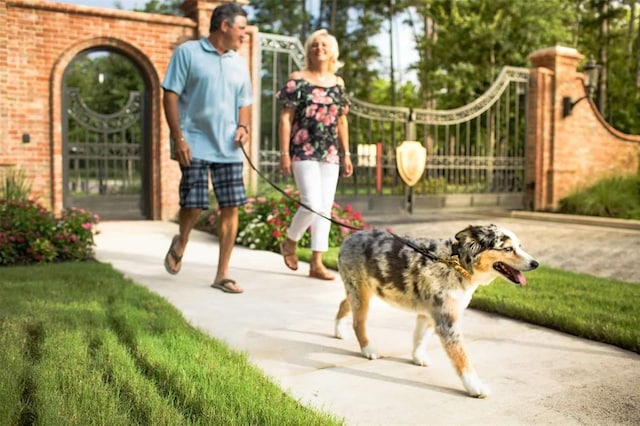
475	149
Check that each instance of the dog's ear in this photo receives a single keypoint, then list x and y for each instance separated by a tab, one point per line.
473	240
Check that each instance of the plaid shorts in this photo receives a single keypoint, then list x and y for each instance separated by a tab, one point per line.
228	185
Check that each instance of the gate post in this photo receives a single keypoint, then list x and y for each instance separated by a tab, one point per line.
547	173
567	152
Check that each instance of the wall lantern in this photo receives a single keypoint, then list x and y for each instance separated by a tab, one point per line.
591	71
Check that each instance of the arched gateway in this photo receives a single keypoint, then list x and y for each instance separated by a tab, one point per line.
106	146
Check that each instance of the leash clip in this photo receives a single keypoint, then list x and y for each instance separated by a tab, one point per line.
454	262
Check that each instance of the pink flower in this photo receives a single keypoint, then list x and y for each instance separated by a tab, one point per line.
320	114
291	86
311	110
87	226
319	95
300	137
308	149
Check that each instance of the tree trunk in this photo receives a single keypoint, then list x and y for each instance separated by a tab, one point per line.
603	12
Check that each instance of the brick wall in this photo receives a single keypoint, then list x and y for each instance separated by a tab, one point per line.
565	154
39	39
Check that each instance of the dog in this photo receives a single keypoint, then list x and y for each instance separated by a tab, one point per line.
434	278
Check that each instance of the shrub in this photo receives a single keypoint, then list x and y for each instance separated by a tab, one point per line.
14	184
263	221
617	196
29	233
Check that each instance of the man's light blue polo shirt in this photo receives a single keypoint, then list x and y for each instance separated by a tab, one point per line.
211	88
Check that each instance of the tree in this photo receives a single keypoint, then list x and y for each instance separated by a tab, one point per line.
163	7
104	80
353	22
467	43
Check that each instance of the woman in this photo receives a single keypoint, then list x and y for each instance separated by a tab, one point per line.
314	135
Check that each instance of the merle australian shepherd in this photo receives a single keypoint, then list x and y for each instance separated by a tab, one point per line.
434	278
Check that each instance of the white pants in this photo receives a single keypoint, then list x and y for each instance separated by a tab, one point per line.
317	183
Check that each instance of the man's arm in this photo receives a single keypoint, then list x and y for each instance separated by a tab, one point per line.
244	121
181	149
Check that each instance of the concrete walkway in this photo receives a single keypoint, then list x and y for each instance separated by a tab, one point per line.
284	322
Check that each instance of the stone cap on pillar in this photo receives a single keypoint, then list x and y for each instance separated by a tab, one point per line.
556	57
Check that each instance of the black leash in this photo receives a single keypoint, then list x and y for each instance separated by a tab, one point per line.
298	202
452	262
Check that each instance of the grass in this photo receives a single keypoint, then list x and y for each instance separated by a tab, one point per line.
594	308
617	196
81	344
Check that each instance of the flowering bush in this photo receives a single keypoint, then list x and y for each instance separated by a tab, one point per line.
263	222
29	233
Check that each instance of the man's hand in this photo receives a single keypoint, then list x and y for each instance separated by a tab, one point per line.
242	135
182	152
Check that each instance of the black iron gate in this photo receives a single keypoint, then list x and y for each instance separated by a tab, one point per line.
105	159
475	153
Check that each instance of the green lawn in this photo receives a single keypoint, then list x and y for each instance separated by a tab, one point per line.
82	345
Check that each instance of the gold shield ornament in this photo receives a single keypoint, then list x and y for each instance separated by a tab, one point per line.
411	160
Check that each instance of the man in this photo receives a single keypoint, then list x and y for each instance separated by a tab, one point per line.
207	103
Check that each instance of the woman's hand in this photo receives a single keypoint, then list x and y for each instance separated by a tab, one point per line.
347	166
285	164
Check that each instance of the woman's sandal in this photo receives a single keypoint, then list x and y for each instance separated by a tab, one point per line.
321	274
290	257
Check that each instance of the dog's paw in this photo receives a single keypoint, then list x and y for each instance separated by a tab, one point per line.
421	358
474	386
340	329
370	352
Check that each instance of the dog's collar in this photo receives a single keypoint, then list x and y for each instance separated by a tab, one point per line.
454	262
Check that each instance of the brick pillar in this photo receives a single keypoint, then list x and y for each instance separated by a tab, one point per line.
566	154
200	12
549	171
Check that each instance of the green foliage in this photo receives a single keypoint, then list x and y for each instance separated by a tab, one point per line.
29	233
14	184
163	7
263	222
617	196
473	40
353	22
104	79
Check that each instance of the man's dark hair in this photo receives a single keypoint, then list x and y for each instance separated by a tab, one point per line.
225	12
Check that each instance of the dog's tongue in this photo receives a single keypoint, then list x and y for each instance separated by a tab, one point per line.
520	278
511	273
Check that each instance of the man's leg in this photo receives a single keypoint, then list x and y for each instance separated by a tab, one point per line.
187	219
227	231
228	187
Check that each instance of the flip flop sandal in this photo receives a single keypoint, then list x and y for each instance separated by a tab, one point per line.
177	260
222	285
290	258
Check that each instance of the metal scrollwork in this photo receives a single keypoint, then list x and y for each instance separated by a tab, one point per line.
89	119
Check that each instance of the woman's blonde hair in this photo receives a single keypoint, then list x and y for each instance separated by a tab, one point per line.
332	43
